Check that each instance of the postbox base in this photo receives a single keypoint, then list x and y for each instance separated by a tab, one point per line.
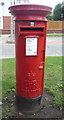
28	106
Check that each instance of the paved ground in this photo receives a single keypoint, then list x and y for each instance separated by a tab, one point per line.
53	47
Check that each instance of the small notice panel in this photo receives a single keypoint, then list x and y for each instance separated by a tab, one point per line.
31	46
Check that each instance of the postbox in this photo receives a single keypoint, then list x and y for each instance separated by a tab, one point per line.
30	42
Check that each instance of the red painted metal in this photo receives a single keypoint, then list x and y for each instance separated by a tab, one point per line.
30	68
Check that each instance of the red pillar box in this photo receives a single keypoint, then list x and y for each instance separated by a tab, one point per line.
30	41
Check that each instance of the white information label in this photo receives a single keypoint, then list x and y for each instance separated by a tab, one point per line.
31	46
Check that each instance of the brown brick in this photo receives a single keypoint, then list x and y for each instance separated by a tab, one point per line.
6	22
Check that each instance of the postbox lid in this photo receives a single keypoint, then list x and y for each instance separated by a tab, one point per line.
30	10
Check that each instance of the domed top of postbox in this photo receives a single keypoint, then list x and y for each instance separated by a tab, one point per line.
30	12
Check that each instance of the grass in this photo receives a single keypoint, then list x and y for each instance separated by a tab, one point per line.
55	34
8	75
53	77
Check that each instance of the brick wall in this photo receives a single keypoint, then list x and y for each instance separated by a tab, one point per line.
52	26
6	25
6	22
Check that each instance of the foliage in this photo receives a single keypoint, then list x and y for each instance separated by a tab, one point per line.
49	17
57	12
63	10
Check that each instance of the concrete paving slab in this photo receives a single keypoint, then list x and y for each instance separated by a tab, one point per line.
54	47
